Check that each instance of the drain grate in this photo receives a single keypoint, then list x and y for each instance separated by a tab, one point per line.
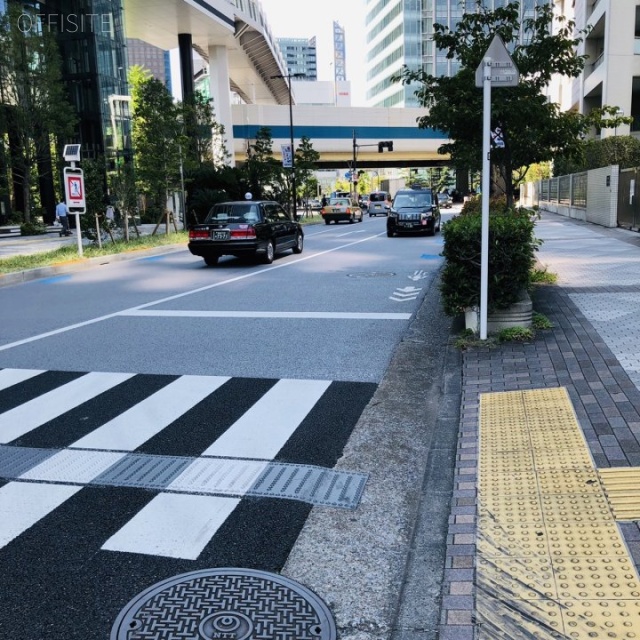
202	476
238	604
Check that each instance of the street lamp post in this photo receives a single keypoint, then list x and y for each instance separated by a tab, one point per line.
293	151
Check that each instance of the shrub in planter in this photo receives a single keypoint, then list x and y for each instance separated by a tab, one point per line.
512	247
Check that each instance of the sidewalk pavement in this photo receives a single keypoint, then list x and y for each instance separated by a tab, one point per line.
593	351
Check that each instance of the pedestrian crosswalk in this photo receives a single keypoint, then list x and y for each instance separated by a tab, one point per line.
199	445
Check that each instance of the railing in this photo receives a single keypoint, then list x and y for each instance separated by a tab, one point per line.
568	190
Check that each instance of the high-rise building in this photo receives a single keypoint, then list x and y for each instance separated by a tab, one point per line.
300	56
90	37
339	54
612	71
155	59
401	34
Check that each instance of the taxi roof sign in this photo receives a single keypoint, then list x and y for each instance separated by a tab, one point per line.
504	72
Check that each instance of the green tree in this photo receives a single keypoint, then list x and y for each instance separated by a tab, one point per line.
36	116
122	187
262	172
206	144
95	196
534	130
157	139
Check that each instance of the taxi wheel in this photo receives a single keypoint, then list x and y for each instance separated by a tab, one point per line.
269	253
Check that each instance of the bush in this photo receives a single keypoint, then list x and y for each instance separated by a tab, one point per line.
32	229
512	246
497	204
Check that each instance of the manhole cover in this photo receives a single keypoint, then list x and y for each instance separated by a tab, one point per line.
372	274
238	604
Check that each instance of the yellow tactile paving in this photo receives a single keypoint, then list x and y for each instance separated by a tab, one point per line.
551	560
622	487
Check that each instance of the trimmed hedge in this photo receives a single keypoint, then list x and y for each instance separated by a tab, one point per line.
512	247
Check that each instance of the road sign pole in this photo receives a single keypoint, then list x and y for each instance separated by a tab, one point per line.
77	217
486	187
498	68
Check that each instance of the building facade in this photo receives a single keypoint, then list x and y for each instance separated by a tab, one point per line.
400	34
300	56
155	59
612	71
90	38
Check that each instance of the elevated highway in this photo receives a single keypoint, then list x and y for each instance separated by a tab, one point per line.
331	132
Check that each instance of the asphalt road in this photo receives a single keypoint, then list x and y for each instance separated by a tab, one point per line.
165	360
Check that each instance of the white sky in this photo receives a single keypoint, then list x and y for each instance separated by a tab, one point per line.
308	18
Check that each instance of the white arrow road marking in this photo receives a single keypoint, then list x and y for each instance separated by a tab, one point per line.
418	275
405	293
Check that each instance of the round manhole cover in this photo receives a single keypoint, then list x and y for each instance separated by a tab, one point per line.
238	604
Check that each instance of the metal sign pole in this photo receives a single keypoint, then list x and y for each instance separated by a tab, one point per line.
486	186
78	231
497	67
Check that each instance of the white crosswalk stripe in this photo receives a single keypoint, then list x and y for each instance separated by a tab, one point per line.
30	415
260	433
172	524
11	377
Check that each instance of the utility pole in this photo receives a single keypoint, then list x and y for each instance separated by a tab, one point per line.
354	172
293	150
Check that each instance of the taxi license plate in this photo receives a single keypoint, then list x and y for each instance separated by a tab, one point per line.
220	235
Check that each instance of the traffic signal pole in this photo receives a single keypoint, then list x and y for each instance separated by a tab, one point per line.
387	144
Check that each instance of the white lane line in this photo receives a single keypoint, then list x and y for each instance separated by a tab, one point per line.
144	420
181	526
9	377
307	315
22	504
251	274
124	433
173	526
30	415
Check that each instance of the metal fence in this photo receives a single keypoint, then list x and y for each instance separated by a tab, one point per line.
567	190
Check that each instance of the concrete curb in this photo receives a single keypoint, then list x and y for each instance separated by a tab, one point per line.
19	277
364	563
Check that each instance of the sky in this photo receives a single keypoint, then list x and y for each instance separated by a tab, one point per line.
308	18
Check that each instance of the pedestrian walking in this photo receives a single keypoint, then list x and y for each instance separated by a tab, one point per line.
62	216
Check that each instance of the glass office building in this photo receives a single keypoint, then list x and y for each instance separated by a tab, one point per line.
400	33
90	37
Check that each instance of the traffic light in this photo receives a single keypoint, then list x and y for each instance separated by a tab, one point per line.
387	144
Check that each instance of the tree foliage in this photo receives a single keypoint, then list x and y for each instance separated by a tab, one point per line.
206	136
621	150
534	130
306	162
157	138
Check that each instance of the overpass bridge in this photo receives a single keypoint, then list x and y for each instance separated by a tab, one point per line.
331	132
